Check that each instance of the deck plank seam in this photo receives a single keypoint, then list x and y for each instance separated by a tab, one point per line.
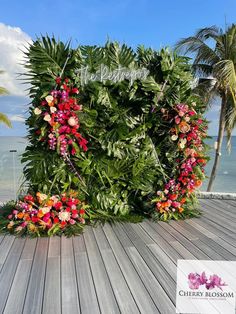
127	284
144	261
14	273
106	274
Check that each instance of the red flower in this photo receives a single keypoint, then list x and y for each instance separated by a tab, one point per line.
58	80
63	224
28	198
56	220
81	211
83	144
34	219
58	205
64	199
75	90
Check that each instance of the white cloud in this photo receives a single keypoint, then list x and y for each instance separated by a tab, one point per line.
16	118
12	42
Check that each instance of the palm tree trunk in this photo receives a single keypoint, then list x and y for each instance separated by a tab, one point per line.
219	143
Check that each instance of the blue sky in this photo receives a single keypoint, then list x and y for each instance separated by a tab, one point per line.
152	23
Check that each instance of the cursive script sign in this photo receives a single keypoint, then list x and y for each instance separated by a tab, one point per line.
117	75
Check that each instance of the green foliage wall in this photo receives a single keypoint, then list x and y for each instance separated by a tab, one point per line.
130	151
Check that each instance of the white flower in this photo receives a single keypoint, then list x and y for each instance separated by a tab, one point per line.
182	143
47	117
45	210
53	109
72	121
37	111
174	137
49	99
64	216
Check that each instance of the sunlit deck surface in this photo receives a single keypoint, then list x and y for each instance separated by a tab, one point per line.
124	268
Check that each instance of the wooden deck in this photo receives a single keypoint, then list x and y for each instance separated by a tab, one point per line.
129	268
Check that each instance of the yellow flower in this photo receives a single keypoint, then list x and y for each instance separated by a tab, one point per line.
41	197
10	225
32	227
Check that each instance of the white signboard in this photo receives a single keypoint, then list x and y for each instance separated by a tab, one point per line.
205	287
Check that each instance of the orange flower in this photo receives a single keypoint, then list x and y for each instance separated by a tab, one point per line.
184	127
20	215
183	201
198	183
26	217
50	203
180	209
40	214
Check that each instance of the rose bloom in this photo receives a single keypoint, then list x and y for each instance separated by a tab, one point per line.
53	109
72	121
64	216
49	99
184	127
174	137
47	117
37	111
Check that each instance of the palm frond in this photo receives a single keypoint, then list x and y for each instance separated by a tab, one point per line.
224	71
4	119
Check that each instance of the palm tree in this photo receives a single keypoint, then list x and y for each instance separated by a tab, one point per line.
214	52
3	117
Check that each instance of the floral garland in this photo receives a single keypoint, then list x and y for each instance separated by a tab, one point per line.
47	215
188	132
59	110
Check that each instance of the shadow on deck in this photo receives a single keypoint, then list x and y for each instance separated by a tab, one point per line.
129	268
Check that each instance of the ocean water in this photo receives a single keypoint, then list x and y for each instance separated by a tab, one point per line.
226	175
11	175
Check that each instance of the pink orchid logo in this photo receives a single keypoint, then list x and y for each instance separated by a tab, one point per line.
196	280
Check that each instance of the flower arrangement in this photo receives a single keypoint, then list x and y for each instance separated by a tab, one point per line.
48	215
188	132
59	123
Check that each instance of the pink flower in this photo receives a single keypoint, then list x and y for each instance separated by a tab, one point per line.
176	204
215	281
177	120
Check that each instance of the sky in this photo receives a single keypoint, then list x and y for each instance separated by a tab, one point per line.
153	23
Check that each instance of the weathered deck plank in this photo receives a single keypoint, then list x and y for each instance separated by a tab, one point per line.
34	296
52	292
16	297
124	268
